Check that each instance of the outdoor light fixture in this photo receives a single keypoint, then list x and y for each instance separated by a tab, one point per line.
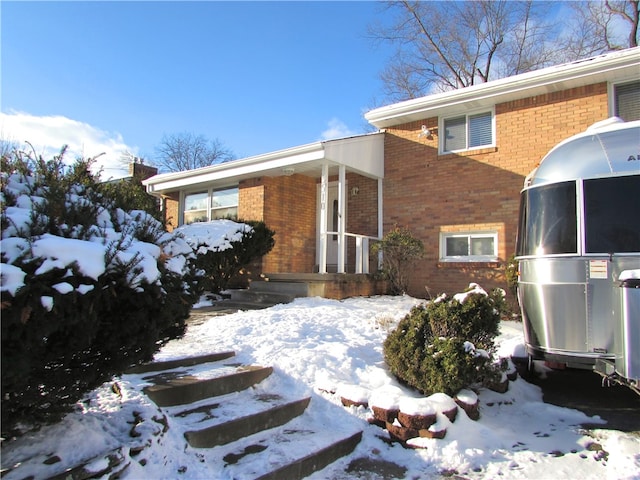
426	132
288	171
354	191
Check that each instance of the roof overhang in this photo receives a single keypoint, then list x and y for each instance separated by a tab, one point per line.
363	154
614	66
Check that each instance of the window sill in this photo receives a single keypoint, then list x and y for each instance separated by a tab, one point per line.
468	153
469	263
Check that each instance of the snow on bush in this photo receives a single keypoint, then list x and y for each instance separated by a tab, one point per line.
89	288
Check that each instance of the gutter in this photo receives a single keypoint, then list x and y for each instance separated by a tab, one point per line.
400	112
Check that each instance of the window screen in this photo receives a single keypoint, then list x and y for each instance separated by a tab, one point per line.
627	101
480	131
468	131
455	134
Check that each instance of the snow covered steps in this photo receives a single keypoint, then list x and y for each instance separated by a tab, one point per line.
229	431
244	417
182	389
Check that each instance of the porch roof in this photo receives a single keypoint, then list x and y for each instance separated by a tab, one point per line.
363	154
617	66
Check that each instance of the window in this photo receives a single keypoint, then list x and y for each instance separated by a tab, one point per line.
612	215
626	99
548	220
465	247
195	207
468	131
224	204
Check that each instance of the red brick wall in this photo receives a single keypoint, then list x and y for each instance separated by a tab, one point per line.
290	210
172	210
362	215
430	193
251	199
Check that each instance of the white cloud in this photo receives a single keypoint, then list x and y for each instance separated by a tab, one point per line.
336	128
48	134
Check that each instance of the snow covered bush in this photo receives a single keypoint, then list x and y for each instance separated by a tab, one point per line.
87	288
219	262
446	344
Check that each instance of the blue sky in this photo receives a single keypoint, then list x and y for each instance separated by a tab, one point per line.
259	76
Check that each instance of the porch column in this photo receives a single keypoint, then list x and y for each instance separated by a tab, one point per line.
324	187
342	203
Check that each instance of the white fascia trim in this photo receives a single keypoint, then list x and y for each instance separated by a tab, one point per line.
236	168
406	111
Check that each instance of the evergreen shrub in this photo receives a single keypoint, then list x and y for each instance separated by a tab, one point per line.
446	344
218	267
68	326
399	248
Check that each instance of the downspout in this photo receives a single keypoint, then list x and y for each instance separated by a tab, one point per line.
380	220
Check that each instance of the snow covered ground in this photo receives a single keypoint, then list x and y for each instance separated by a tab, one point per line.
317	346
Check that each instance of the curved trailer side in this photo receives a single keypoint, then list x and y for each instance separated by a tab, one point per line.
578	248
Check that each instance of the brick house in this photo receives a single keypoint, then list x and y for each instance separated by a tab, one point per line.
448	166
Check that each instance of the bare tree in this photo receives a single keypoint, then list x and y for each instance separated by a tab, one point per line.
185	151
7	144
602	26
448	45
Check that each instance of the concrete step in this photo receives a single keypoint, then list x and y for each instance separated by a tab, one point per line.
292	289
316	461
237	428
257	296
181	362
252	423
180	388
292	451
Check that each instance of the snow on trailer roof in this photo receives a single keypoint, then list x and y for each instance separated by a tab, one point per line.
610	147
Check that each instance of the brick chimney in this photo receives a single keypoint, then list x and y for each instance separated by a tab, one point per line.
141	171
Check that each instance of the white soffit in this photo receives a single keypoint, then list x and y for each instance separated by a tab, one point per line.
617	66
364	154
270	163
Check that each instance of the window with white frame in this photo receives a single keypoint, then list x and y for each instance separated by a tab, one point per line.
467	131
469	247
224	203
195	207
626	101
210	205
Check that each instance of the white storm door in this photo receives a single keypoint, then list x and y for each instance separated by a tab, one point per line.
332	214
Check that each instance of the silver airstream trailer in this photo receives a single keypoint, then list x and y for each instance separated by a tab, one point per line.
578	250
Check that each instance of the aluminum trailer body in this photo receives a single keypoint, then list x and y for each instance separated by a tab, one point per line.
578	252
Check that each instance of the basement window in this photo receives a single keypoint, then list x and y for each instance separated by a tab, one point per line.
469	247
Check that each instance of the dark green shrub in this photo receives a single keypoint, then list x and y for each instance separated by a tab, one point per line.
220	266
399	248
68	326
511	274
445	345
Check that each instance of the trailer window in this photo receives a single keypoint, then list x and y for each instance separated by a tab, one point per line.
612	214
548	222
